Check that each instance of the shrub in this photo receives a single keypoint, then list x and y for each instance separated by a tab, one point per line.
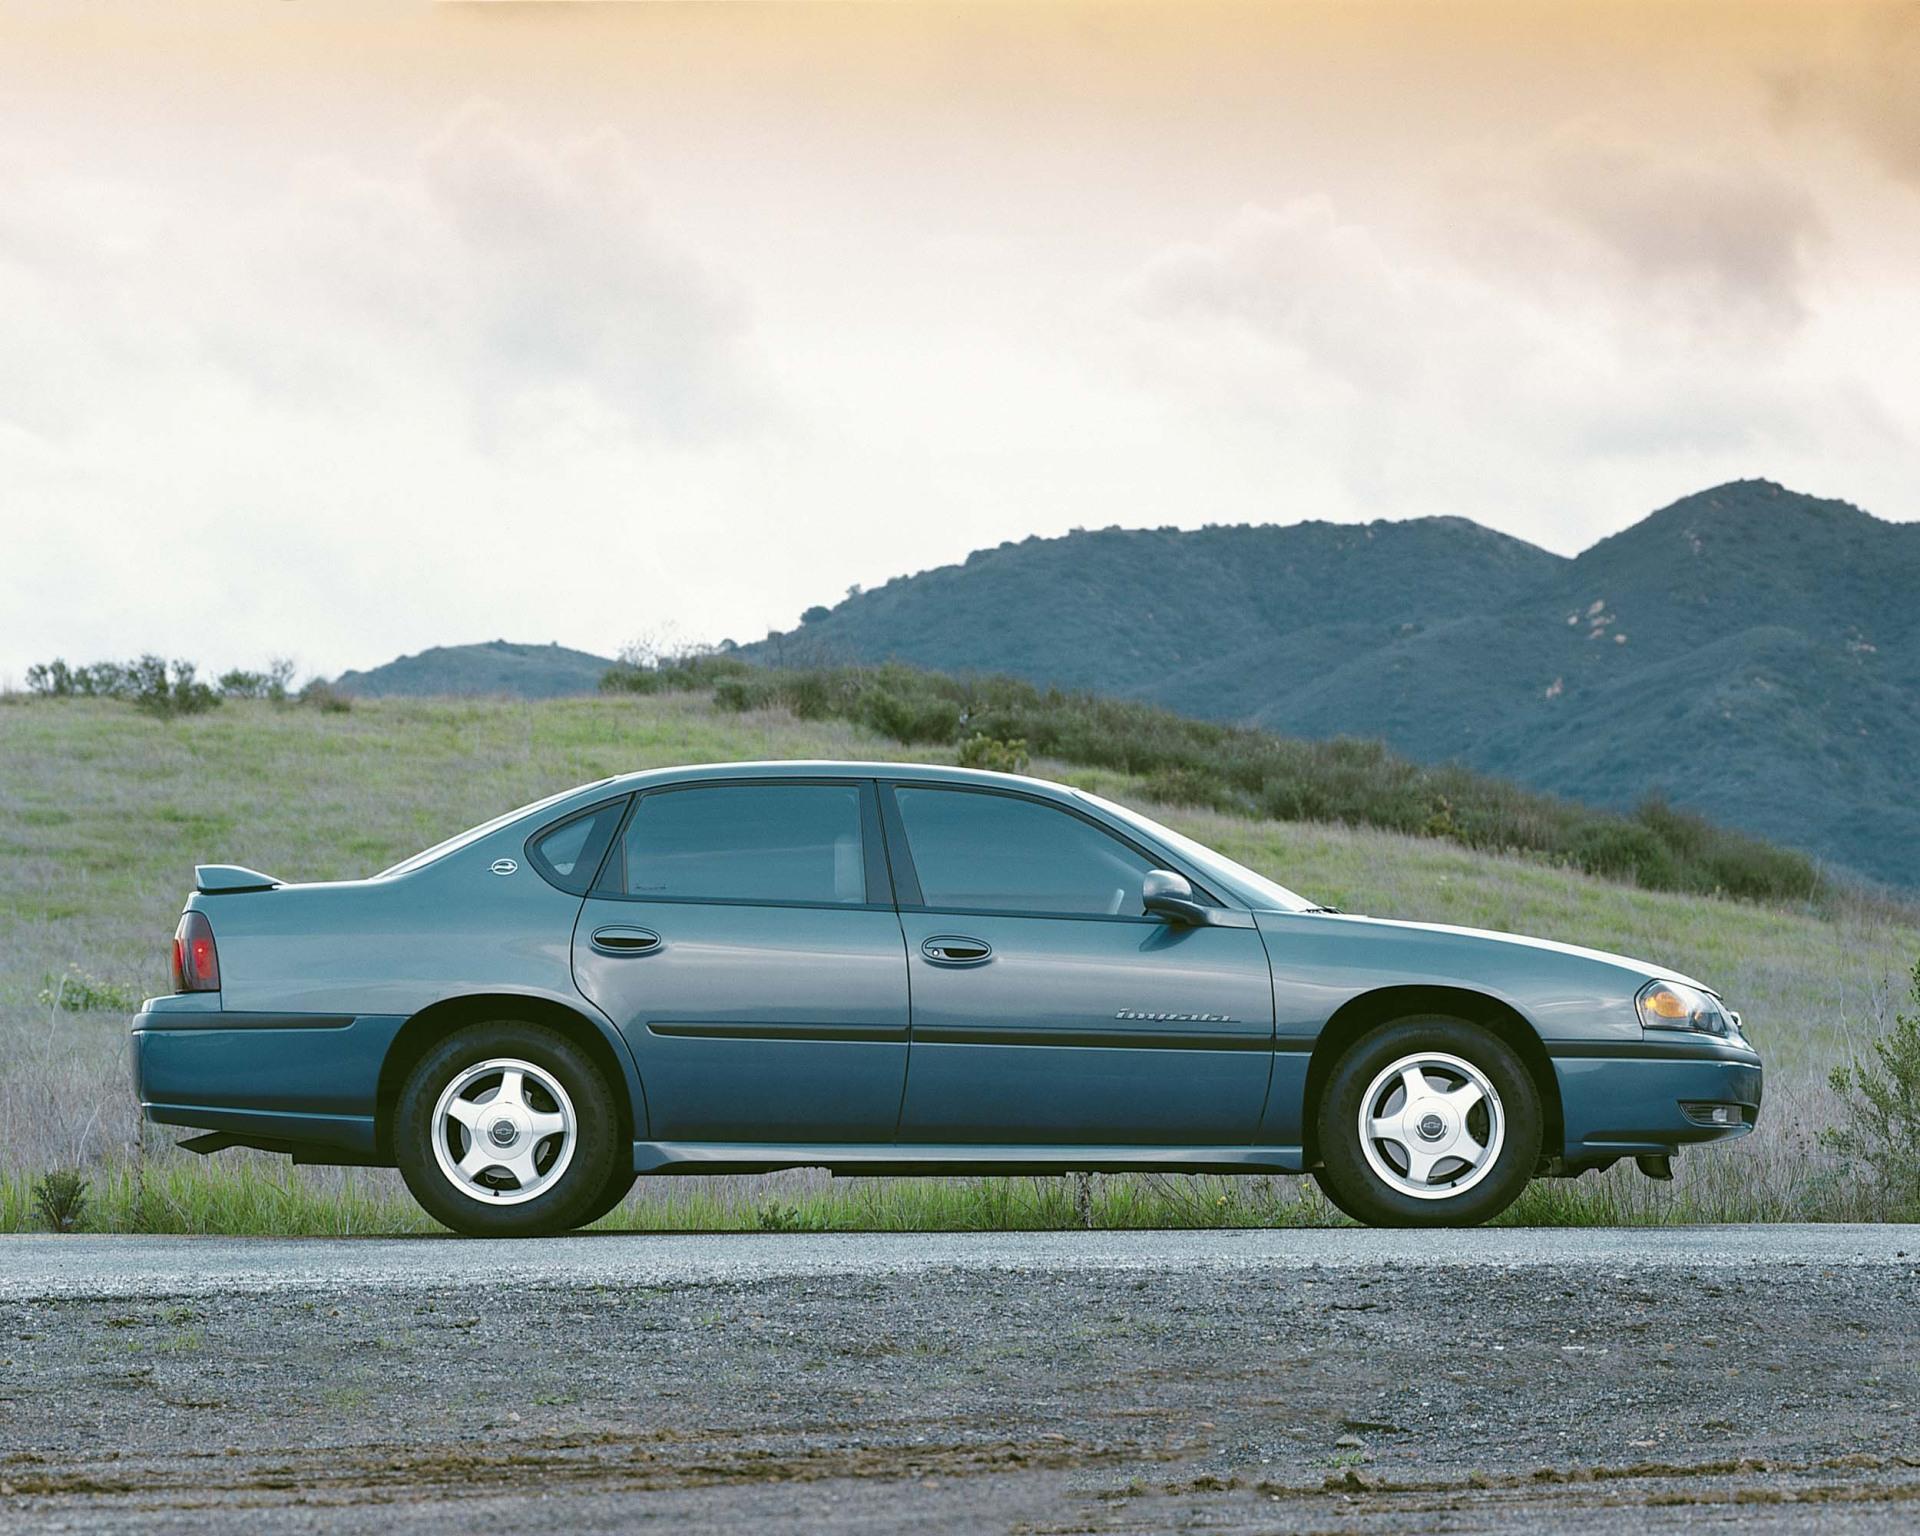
910	714
323	696
639	672
1880	1109
270	684
1620	850
60	1198
991	752
165	690
150	683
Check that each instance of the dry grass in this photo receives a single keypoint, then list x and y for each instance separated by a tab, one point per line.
103	813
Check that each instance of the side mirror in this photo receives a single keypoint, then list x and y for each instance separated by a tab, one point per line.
1167	895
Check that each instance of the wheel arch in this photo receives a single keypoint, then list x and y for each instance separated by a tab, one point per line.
438	1020
1358	1015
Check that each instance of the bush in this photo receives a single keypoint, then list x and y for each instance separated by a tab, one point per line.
323	696
60	1198
270	684
637	672
1620	850
990	752
160	688
1880	1109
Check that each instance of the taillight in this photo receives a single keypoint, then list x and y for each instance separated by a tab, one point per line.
196	963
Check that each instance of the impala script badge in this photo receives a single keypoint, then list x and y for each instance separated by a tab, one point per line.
1177	1018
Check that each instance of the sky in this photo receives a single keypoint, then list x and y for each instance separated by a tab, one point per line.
339	331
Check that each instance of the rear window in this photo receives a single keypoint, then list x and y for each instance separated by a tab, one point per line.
744	842
474	834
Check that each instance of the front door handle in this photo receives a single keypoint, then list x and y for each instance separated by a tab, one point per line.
956	949
621	940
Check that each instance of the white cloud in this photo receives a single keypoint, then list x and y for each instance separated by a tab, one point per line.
1597	319
323	399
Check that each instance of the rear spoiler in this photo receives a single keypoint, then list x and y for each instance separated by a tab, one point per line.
214	879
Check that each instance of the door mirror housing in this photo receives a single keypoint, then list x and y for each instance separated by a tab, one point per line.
1167	895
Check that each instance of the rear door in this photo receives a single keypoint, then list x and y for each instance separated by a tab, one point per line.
1047	1008
742	936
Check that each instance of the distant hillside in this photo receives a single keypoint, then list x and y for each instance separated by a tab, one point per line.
1128	610
1748	652
496	666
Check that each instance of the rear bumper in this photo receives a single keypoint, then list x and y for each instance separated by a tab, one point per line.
1652	1097
301	1083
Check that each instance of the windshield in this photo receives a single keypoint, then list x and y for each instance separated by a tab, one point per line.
1255	889
474	834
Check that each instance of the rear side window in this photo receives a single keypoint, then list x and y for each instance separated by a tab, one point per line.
568	854
745	842
999	853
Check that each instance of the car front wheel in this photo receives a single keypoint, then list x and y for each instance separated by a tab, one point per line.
1428	1122
507	1129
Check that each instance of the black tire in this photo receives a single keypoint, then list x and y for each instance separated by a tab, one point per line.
1487	1187
598	1151
617	1186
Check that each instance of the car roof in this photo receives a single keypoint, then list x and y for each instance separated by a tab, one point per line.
789	768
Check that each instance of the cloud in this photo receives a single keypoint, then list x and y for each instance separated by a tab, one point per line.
1717	242
1657	320
351	400
522	283
1864	86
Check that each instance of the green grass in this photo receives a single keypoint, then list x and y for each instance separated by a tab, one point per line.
103	813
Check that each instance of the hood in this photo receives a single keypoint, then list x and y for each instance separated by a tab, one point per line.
1646	970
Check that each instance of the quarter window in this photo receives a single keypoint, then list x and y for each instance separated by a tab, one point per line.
1000	853
745	842
567	855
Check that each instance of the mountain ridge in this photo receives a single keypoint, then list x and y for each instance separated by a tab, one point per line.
1747	651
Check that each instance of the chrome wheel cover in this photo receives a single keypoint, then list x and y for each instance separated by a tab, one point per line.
504	1131
1431	1125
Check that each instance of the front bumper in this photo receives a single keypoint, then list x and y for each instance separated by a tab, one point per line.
1647	1097
301	1083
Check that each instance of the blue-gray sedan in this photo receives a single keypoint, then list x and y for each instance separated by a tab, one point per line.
896	968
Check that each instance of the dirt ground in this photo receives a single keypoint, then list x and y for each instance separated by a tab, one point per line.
1391	1398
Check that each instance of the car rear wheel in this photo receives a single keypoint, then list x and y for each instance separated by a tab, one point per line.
1428	1122
507	1129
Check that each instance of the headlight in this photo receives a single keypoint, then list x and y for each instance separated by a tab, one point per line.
1671	1005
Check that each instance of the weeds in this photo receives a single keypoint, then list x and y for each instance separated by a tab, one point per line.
79	991
1879	1101
983	751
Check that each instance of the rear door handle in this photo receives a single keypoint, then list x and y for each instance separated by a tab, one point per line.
956	949
621	940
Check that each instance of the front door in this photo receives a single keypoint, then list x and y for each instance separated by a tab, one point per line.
1046	1007
743	939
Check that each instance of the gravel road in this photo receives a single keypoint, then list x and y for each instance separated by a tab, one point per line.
1060	1382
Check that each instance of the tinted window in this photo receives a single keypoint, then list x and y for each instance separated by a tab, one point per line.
745	842
1004	854
569	853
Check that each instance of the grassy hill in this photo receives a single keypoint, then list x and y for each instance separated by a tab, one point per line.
492	667
1748	652
104	811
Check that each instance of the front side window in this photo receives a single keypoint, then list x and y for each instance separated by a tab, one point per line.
999	853
744	842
